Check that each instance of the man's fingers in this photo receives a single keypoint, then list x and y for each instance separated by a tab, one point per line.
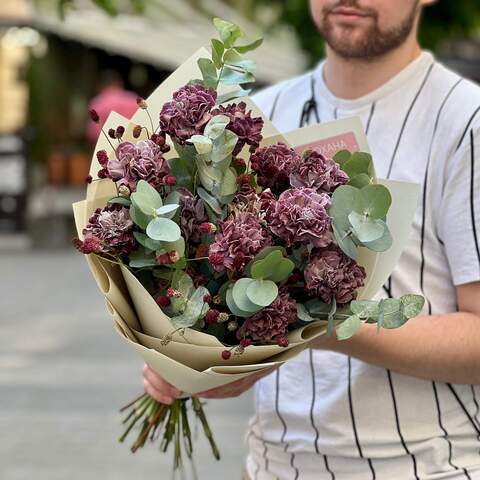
159	383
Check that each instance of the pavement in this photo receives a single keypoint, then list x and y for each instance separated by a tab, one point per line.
64	373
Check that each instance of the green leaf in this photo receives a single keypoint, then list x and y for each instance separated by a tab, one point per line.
140	258
264	252
342	156
183	169
232	77
193	310
177	245
216	126
229	183
348	328
172	198
203	145
232	58
264	268
147	242
167	211
364	308
138	217
239	295
345	242
382	244
234	307
262	292
343	199
209	72
282	271
211	201
226	97
249	46
359	162
373	200
303	314
359	181
331	316
217	53
366	229
121	201
390	313
412	305
163	229
317	307
146	198
229	32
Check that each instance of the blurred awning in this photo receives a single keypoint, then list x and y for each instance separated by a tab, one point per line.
170	32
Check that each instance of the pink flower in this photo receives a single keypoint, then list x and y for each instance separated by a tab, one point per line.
143	160
240	238
188	112
193	214
109	231
300	216
248	129
248	200
318	172
271	323
273	166
331	274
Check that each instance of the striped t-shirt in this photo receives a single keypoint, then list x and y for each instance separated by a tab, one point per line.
324	415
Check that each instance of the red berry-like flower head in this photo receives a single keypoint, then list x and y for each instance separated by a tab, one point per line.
282	342
88	179
94	115
226	354
163	301
102	157
119	131
170	180
216	259
211	316
163	259
137	131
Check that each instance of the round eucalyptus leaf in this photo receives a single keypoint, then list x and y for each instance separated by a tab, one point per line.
172	198
234	307
344	241
239	294
163	229
343	199
167	211
282	271
211	201
383	243
203	144
348	328
359	162
342	156
412	305
374	201
364	308
216	126
121	201
359	181
229	182
365	228
146	197
177	245
267	250
138	217
262	292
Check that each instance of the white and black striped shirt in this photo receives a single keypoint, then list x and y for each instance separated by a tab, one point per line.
324	415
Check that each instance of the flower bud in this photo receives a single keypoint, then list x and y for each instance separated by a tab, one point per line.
216	259
102	157
282	342
245	342
137	131
112	133
88	179
142	103
226	354
223	317
232	326
123	191
170	180
119	131
211	316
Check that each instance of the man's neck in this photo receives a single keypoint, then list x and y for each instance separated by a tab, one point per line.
353	78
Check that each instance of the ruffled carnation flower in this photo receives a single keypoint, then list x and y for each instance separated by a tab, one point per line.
271	323
248	200
318	172
192	215
188	112
332	274
240	238
109	231
300	216
138	161
248	129
273	166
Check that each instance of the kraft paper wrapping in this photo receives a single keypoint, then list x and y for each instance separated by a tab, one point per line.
192	362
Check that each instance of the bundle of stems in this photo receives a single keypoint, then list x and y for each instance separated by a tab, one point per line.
172	419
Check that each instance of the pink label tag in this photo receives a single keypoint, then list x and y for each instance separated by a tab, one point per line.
330	146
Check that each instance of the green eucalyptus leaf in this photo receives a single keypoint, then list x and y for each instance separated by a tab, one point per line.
120	201
373	200
412	305
282	271
303	314
217	53
230	76
147	242
264	252
343	199
177	245
345	242
239	295
229	32
365	228
140	258
231	57
229	183
167	211
183	169
223	146
146	198
216	126
172	198
391	315
234	307
203	145
317	307
209	72
211	201
342	156
331	316
163	229
359	162
262	292
138	217
382	244
359	181
249	46
226	97
364	308
348	328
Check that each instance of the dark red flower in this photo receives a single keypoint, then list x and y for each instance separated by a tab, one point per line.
94	115
163	301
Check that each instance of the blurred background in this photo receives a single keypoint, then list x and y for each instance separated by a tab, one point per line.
63	372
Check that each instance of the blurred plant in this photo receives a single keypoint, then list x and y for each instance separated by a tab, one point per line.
112	7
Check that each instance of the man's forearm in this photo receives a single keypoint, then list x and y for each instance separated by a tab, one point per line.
438	347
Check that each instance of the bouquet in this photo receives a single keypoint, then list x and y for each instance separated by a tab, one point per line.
223	247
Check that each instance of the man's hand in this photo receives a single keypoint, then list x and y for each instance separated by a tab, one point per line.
166	393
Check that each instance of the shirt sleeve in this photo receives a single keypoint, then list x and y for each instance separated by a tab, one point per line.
459	214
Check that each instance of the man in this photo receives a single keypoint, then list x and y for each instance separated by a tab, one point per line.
403	404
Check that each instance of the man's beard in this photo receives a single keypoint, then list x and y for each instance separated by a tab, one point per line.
375	42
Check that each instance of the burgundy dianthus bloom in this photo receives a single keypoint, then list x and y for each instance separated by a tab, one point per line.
240	238
300	216
248	200
318	172
188	112
271	323
332	274
143	160
192	214
109	231
273	166
248	129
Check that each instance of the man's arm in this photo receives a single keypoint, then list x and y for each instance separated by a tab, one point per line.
438	347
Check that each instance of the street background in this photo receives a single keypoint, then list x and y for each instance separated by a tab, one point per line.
64	372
